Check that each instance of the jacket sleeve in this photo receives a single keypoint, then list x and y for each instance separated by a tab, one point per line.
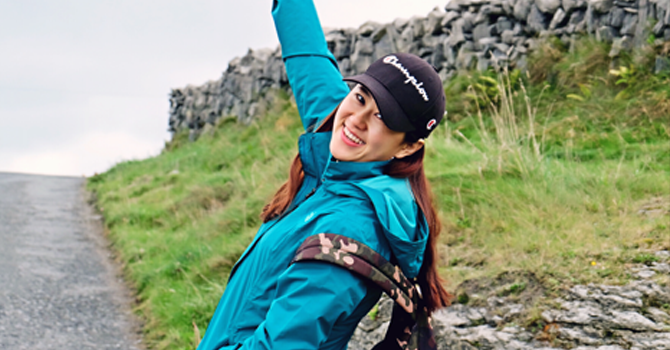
311	297
311	69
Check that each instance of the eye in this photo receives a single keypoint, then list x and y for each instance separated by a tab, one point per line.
360	99
378	115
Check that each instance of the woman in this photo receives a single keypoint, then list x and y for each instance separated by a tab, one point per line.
359	173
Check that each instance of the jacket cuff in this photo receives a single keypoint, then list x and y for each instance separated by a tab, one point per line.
299	29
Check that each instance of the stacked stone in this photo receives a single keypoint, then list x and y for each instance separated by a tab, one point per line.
466	34
587	317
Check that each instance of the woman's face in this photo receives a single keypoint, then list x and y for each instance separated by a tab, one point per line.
360	135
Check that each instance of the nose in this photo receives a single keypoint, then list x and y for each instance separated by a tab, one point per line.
359	119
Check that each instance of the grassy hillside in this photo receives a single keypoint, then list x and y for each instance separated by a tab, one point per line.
563	172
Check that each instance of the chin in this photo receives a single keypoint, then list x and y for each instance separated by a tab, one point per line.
341	153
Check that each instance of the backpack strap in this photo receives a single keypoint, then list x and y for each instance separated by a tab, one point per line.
410	327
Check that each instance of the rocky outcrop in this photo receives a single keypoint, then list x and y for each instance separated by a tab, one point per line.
585	317
465	34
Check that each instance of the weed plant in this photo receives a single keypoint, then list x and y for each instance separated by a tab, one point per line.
554	171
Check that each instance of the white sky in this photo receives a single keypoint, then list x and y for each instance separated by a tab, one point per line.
84	83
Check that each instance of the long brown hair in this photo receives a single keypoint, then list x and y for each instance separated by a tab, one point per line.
410	167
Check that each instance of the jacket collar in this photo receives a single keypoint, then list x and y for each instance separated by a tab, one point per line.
318	162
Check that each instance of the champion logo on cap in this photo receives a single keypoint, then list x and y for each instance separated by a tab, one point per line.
393	60
431	124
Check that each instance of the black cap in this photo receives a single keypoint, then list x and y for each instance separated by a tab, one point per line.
408	92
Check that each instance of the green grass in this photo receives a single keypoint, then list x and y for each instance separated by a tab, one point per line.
555	189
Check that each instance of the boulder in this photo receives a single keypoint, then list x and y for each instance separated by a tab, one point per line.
522	9
434	21
606	34
558	18
456	37
482	30
548	6
629	23
507	37
616	17
536	20
449	17
601	6
503	23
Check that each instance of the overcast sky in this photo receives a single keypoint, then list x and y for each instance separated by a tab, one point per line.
84	83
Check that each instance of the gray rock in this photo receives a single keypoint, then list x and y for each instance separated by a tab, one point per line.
568	5
649	341
658	315
485	44
465	60
606	34
367	28
456	36
601	6
507	37
522	63
400	23
434	21
666	34
619	44
616	17
585	335
450	55
658	28
522	9
558	18
536	20
508	7
633	321
548	6
364	46
503	24
449	17
629	22
643	273
502	47
580	20
384	43
339	44
454	316
662	65
652	291
468	21
481	31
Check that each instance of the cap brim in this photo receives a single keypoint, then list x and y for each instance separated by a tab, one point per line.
392	114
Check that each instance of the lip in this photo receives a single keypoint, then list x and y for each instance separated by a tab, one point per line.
347	141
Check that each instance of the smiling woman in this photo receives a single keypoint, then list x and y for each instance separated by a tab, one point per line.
359	175
360	135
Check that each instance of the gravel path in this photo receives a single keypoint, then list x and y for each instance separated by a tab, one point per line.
58	286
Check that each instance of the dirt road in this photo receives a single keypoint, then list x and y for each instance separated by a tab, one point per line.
58	287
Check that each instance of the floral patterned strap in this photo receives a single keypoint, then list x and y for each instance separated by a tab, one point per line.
410	327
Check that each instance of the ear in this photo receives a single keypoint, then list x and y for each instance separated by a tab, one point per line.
407	149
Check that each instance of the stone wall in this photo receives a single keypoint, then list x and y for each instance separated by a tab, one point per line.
583	317
465	34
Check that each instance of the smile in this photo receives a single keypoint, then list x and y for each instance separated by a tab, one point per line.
350	138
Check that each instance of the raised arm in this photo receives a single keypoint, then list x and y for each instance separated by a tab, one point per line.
312	70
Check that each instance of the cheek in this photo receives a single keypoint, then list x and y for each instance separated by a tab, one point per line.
386	143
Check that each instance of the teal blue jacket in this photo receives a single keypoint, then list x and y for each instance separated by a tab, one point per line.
269	304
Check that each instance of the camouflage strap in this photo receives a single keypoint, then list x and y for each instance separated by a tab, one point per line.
410	327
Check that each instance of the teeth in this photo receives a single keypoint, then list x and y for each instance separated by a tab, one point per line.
352	137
